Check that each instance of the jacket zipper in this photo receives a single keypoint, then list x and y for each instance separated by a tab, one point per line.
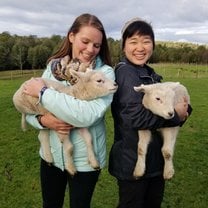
62	155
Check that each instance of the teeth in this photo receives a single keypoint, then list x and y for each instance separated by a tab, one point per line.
139	56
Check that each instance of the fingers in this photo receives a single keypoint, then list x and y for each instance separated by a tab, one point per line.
58	125
63	132
64	127
34	80
25	86
185	99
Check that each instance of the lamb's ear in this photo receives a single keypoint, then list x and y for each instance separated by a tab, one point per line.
65	60
177	83
173	84
76	74
140	88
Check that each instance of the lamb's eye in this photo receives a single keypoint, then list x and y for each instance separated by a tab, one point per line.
99	80
157	98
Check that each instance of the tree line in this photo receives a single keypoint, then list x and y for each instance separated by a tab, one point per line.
32	52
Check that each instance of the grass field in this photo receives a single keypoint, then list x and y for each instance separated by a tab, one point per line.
19	161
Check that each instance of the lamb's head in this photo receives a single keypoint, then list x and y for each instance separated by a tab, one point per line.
158	98
94	84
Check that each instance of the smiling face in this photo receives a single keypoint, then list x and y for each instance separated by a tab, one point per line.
138	49
86	43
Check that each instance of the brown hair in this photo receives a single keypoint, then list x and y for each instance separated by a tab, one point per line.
83	20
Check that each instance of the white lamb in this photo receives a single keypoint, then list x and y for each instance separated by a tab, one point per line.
160	98
89	85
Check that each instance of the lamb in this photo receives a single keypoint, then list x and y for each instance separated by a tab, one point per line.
160	98
89	85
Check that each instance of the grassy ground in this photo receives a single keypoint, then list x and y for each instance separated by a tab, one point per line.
19	161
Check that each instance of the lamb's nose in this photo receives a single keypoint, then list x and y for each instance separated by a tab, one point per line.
171	114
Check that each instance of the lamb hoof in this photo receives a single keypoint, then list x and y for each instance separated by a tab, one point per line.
50	164
71	170
94	164
96	168
138	173
48	159
168	174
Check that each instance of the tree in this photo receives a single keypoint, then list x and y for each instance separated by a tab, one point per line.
115	50
38	56
6	43
19	53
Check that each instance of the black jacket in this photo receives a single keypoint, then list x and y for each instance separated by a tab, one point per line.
129	115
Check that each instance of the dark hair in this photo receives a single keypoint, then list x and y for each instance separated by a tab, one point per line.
139	27
84	20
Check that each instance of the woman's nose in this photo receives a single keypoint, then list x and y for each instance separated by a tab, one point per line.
90	47
139	46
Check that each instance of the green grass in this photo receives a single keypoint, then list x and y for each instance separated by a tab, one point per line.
5	75
19	161
181	70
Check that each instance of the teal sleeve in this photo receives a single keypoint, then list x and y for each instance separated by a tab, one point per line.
32	120
79	113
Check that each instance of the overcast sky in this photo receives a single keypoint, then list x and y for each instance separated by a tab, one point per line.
176	20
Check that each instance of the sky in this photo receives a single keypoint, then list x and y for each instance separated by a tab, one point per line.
176	20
